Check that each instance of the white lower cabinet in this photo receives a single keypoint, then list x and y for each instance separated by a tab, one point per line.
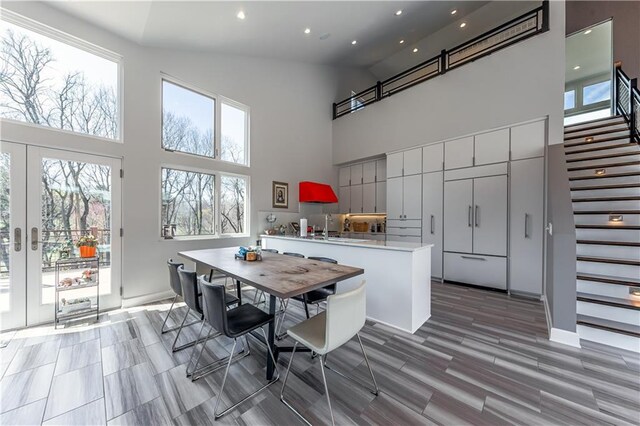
488	271
404	238
381	197
527	226
458	213
369	198
432	199
344	199
490	215
356	199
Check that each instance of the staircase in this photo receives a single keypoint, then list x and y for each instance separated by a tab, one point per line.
604	175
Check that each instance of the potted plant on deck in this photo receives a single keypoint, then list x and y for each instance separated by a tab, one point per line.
87	245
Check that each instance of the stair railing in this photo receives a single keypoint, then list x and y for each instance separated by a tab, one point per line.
626	101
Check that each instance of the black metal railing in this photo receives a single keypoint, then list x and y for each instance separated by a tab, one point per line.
527	25
626	101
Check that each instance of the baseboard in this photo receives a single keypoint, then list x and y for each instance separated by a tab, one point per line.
547	313
147	298
565	337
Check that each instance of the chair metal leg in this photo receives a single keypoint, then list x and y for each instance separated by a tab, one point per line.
366	359
175	348
375	390
275	378
326	390
199	373
280	336
284	384
195	348
162	330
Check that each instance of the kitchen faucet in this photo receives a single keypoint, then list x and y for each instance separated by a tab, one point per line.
327	220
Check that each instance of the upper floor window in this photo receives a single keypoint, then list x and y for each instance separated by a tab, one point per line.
55	80
189	120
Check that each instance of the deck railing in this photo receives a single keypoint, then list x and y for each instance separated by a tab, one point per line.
527	25
627	101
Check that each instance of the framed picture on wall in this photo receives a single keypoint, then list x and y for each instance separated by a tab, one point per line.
280	195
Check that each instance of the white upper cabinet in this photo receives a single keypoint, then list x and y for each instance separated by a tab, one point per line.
395	163
528	140
432	158
356	174
381	170
413	162
344	176
492	147
368	172
458	153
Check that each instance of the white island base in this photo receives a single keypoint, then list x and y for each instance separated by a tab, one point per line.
398	275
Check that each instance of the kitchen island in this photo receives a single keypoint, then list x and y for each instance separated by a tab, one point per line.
398	274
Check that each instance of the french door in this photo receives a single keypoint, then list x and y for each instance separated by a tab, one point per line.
48	199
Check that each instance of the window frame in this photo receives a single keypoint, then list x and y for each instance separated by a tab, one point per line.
217	175
217	122
73	41
579	85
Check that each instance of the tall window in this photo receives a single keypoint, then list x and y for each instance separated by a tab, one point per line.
233	191
50	83
189	122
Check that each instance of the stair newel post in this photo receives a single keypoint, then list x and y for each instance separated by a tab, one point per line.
633	84
616	83
335	110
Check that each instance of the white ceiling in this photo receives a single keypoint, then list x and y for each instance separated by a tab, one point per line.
592	52
275	28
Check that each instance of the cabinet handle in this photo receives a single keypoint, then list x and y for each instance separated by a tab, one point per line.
469	215
526	225
432	224
477	216
473	258
17	239
34	238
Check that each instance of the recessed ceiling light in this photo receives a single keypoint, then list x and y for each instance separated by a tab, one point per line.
415	50
354	42
588	32
462	25
241	15
398	12
307	30
454	11
577	67
401	41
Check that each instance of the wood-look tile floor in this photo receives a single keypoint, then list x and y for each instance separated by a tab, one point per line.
482	358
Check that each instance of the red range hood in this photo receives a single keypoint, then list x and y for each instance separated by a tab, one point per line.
313	192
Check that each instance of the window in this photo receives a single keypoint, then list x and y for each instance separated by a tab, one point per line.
188	202
51	83
233	191
597	92
189	121
356	103
569	99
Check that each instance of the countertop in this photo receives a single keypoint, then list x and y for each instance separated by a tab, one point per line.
370	244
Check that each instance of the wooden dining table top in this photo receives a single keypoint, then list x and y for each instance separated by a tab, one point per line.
277	274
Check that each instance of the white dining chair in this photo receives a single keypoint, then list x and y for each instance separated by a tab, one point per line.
343	318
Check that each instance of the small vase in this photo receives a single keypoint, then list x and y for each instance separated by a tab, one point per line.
86	251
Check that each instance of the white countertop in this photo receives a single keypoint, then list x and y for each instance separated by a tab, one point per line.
371	244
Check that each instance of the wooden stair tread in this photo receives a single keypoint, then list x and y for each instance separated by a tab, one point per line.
606	279
612	186
604	166
598	132
612	227
627	138
601	122
609	301
609	260
605	176
602	157
606	212
609	243
604	324
601	148
598	199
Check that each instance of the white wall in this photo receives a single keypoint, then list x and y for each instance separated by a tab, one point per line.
519	83
290	135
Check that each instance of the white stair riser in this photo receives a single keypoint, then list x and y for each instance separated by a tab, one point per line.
608	269
605	140
616	252
603	289
617	340
627	148
627	316
608	170
615	192
606	205
601	161
608	234
603	219
619	180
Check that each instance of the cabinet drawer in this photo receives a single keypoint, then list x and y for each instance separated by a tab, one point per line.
415	232
487	271
395	223
404	238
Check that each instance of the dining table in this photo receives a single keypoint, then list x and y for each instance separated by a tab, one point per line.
278	275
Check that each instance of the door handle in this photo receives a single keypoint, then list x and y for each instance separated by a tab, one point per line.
17	239
432	224
477	216
473	258
469	215
526	225
34	238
